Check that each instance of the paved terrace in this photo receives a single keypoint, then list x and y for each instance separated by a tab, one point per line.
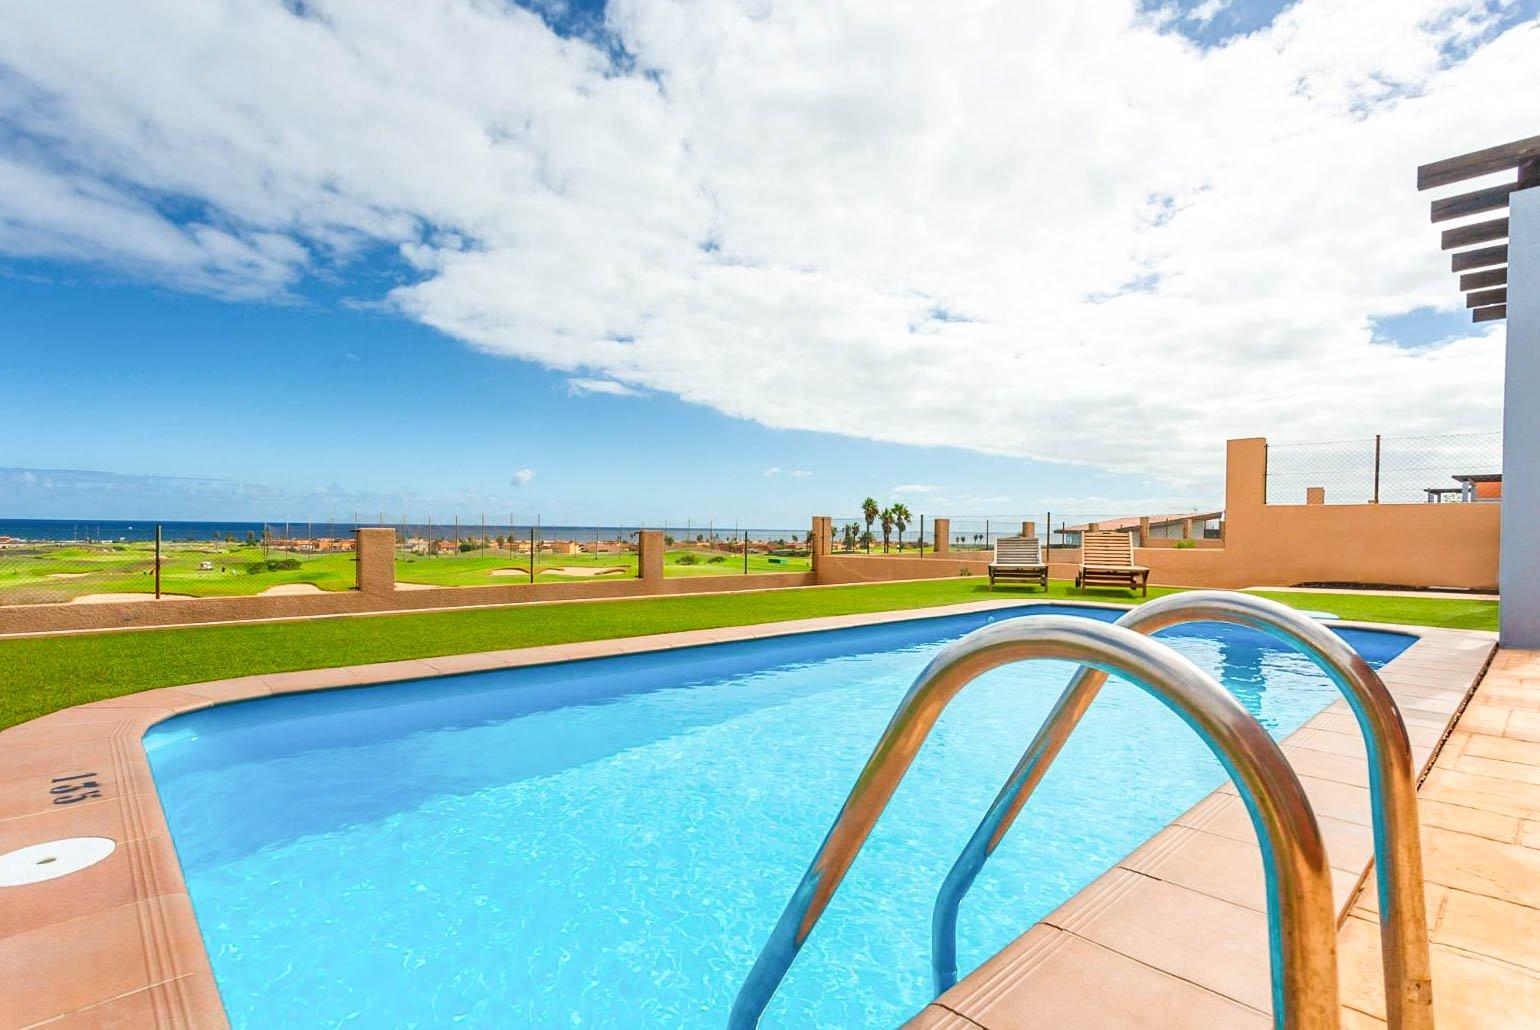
1099	962
1174	935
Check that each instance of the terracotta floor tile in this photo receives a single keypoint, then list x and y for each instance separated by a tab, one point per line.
104	955
1485	720
1487	926
1219	867
1214	944
1529	833
1522	772
1054	980
934	1017
1507	797
185	1003
241	689
1462	819
1510	872
144	868
1367	904
1349	845
1331	799
1327	766
1523	725
1506	749
55	822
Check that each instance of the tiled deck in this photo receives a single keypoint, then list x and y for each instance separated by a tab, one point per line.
1175	935
1172	936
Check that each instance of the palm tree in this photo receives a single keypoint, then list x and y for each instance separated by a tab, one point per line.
869	513
852	533
887	526
901	519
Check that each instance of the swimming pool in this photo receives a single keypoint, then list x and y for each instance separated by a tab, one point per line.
609	842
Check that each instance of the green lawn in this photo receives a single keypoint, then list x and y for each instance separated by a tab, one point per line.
40	675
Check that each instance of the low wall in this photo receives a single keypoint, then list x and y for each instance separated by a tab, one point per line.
52	618
1414	545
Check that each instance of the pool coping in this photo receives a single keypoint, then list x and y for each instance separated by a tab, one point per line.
119	941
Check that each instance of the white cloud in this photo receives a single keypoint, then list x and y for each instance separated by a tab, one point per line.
522	477
773	470
800	473
579	386
1057	232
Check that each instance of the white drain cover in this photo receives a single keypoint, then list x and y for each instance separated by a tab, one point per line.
56	858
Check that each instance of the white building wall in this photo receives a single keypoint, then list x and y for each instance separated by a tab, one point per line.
1519	564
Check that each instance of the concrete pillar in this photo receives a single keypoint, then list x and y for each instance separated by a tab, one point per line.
1518	563
943	537
1144	531
1029	529
820	539
1187	529
649	556
375	549
1315	495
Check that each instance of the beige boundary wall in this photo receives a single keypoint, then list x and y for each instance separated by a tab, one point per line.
1415	545
377	593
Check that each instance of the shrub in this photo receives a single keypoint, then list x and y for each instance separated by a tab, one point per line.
272	565
686	559
716	559
1185	545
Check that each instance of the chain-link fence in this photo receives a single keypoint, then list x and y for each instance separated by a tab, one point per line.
461	552
54	561
1387	470
45	561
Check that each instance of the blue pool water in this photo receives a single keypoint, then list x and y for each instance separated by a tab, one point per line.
608	843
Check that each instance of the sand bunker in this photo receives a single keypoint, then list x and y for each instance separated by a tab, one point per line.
291	590
68	575
415	586
522	573
586	570
113	598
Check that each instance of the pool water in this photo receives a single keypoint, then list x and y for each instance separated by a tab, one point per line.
608	843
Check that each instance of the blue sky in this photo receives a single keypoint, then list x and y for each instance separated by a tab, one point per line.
317	410
745	262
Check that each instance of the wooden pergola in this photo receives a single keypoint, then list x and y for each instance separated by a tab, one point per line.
1483	269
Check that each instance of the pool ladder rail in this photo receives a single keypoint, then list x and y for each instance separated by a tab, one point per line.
1302	928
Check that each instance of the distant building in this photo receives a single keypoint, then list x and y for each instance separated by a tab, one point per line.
1181	525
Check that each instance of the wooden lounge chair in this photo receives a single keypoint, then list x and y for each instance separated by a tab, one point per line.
1018	558
1107	560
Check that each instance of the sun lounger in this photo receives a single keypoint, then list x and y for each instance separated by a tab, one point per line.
1018	558
1107	560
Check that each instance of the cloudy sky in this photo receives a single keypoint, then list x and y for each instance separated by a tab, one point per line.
732	258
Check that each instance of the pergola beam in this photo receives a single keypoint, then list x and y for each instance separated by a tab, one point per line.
1484	279
1466	260
1473	203
1481	232
1491	314
1479	162
1486	298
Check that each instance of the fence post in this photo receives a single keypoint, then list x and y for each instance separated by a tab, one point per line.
745	552
1376	469
157	561
531	555
649	556
374	553
922	536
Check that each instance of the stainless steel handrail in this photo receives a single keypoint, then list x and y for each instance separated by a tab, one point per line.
1302	923
1392	789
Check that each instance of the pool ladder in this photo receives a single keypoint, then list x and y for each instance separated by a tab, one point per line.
1301	917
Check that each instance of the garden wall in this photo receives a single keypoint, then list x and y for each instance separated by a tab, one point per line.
378	593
